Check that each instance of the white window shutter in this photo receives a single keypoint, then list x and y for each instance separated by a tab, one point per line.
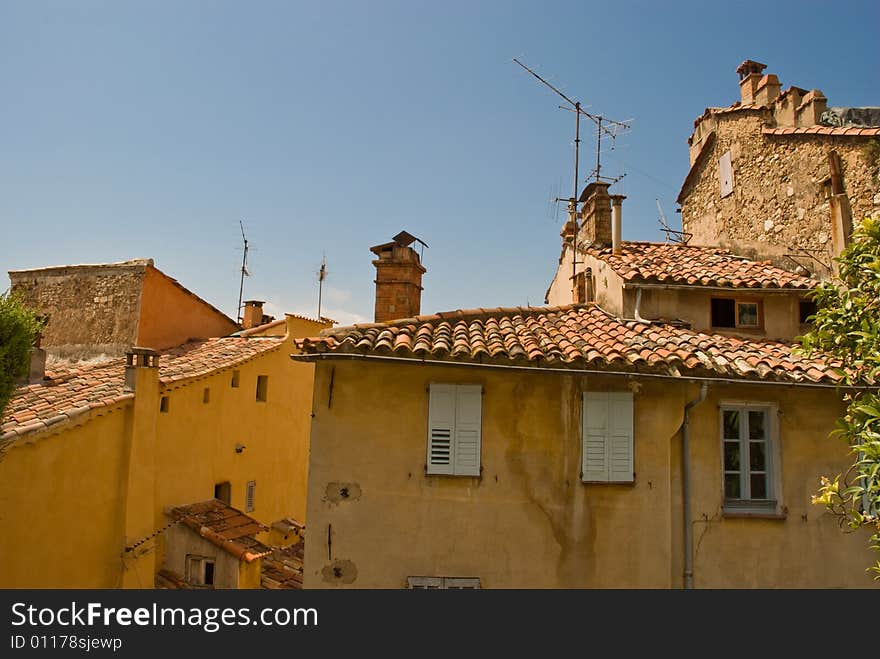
595	437
468	420
607	437
620	414
441	429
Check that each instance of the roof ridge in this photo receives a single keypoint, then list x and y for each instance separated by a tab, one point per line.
457	314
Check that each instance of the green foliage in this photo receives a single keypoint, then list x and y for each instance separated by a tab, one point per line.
19	327
847	325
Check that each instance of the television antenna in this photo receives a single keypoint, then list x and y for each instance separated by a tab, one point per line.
322	275
605	126
244	270
678	237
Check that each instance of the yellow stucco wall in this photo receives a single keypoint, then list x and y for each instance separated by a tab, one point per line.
64	513
528	521
62	506
170	316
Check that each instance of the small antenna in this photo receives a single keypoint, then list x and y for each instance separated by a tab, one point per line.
678	237
322	275
244	270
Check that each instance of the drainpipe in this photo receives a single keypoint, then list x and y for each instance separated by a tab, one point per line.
636	313
686	489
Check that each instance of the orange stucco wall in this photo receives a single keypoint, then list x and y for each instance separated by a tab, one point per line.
169	315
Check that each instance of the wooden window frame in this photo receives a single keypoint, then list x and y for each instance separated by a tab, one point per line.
746	505
456	433
196	569
758	302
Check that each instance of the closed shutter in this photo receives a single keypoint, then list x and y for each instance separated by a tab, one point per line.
454	429
607	437
468	417
441	428
250	491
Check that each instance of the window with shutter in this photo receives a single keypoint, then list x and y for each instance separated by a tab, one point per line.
443	583
249	496
454	429
607	437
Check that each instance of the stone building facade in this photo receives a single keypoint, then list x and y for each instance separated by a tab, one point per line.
775	176
105	309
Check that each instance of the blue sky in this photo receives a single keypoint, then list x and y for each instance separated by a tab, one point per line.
149	129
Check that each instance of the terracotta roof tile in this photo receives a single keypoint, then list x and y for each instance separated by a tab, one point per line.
844	131
70	391
646	262
224	526
585	337
282	569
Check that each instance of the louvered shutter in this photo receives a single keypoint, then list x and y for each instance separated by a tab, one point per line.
607	437
468	418
595	436
441	428
620	442
249	496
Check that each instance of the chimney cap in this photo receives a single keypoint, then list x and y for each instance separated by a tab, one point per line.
254	303
749	67
588	191
402	239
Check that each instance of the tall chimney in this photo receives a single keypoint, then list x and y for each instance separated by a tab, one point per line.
616	211
398	278
253	314
749	77
596	214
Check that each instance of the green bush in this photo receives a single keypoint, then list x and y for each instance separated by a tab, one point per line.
19	327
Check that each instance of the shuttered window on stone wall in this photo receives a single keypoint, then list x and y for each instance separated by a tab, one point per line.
607	437
454	429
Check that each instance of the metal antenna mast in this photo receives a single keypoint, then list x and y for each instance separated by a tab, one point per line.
680	237
244	271
322	275
615	127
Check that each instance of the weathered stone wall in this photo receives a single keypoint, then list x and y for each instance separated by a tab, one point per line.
92	309
779	203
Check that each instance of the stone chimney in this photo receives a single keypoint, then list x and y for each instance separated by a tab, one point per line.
767	90
141	364
811	107
596	215
398	278
253	314
749	77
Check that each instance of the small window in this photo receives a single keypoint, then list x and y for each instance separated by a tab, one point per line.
200	571
223	492
454	429
206	395
262	387
806	308
163	404
443	583
607	437
748	450
732	313
236	379
249	496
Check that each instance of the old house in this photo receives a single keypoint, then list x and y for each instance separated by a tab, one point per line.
705	288
186	466
106	309
566	447
779	174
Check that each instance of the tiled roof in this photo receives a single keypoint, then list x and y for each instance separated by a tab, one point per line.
665	263
224	526
845	131
197	358
71	391
63	395
582	337
283	568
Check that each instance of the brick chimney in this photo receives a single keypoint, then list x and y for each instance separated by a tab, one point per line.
253	314
398	278
596	215
749	77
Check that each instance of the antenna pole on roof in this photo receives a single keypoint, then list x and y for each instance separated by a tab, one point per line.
322	275
611	128
244	272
